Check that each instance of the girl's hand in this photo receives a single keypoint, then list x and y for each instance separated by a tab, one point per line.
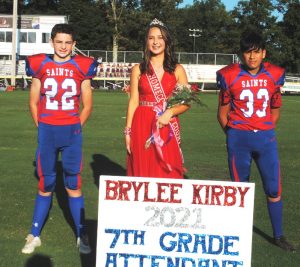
127	143
165	118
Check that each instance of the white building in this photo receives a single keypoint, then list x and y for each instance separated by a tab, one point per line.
33	34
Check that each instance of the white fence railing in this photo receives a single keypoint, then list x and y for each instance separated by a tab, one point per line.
121	71
291	85
117	74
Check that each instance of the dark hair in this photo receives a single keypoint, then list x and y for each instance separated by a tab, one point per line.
251	40
62	28
169	60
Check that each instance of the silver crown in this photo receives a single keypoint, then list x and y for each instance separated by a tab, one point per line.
157	22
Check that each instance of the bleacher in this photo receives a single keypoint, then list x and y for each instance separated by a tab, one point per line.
5	69
111	71
121	71
200	67
115	75
201	73
291	85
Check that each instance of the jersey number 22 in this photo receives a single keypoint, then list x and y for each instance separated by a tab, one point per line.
51	89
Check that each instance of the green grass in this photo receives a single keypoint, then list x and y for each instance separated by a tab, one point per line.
203	145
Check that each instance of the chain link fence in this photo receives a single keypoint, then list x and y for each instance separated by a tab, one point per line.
115	75
182	57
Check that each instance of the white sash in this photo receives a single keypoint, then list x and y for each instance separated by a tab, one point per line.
160	97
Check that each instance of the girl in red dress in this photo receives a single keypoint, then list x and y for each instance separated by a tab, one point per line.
152	133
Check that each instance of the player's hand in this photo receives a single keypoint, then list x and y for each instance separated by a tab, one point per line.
127	143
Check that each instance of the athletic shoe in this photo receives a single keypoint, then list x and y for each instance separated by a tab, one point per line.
284	244
83	244
31	243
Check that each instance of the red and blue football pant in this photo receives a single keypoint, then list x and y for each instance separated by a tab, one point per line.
261	146
55	139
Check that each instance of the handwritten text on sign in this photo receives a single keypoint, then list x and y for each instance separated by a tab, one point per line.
173	223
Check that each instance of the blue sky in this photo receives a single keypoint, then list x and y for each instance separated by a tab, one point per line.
229	4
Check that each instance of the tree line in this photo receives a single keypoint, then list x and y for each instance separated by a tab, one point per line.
121	24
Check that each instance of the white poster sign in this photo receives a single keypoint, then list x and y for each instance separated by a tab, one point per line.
157	222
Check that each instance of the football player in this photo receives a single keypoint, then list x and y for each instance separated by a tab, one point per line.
249	108
59	83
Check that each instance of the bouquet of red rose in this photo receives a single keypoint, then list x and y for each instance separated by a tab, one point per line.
184	95
181	95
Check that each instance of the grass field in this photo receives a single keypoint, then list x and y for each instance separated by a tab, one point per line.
205	158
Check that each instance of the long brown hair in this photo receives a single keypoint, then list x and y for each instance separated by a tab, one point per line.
169	59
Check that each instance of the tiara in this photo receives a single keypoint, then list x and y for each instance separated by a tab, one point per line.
157	22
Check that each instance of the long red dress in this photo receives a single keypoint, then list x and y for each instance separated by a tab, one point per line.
147	162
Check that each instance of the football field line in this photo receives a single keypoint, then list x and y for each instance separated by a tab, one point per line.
292	100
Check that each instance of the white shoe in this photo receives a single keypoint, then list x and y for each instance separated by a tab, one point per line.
83	244
31	243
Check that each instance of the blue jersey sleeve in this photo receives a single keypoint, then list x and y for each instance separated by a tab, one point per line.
281	80
86	66
29	70
34	64
221	83
92	70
